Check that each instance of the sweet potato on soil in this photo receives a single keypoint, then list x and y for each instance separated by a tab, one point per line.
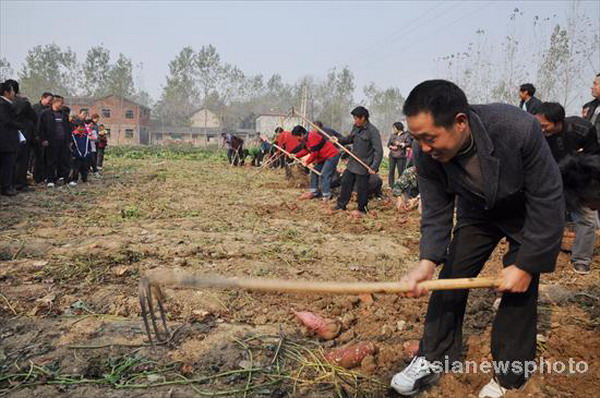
325	328
351	355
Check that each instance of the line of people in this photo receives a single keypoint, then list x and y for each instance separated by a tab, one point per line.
43	140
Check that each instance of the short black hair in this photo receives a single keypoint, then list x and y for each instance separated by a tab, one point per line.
299	130
360	111
4	88
581	178
278	130
58	97
47	94
443	99
553	111
399	126
14	84
318	123
530	88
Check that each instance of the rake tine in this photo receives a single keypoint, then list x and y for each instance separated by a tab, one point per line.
142	297
152	314
161	309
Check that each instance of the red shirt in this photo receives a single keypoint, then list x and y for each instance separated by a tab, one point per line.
319	147
288	141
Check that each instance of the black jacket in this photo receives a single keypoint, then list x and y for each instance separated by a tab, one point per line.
47	127
533	105
26	117
594	106
397	139
366	145
523	194
9	127
577	136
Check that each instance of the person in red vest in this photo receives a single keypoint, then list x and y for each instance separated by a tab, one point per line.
325	157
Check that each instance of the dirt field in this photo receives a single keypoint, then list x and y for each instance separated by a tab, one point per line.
71	260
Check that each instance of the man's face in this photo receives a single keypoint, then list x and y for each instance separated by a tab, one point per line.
548	128
359	121
441	143
57	104
47	100
523	95
596	88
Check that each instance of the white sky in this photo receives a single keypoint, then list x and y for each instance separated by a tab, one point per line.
392	43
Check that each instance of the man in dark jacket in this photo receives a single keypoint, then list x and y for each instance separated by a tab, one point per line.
492	164
366	145
573	136
529	103
39	152
27	118
593	107
9	139
54	130
398	145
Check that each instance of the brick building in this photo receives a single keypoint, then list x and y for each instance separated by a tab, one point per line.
126	121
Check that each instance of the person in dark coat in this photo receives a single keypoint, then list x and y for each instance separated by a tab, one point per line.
38	161
27	118
491	164
398	145
9	139
573	136
366	145
529	102
592	108
54	130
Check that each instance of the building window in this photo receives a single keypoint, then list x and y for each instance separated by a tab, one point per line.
129	114
106	113
176	136
128	133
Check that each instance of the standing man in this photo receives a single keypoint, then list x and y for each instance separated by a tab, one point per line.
529	103
573	136
593	107
366	145
39	151
54	130
27	118
9	139
492	164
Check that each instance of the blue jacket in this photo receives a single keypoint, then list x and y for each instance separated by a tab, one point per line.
523	193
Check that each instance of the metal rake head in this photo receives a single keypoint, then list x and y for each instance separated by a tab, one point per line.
150	291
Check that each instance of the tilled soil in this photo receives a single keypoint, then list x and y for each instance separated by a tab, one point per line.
71	259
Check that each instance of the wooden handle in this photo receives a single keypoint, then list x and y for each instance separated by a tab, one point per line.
182	279
336	142
310	167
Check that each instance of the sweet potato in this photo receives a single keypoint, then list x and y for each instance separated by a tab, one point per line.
350	355
325	328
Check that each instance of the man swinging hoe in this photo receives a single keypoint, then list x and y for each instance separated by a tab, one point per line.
491	163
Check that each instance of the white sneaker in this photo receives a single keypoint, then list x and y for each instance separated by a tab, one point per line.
419	374
492	390
72	184
50	185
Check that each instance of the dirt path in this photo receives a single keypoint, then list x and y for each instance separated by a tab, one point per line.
71	260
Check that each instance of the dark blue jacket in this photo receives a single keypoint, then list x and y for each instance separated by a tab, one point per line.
523	193
81	147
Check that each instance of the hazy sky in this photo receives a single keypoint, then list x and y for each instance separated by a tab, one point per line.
387	42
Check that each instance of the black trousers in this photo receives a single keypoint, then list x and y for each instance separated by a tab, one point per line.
58	161
22	164
362	190
39	163
7	169
80	167
100	159
395	163
93	162
515	325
